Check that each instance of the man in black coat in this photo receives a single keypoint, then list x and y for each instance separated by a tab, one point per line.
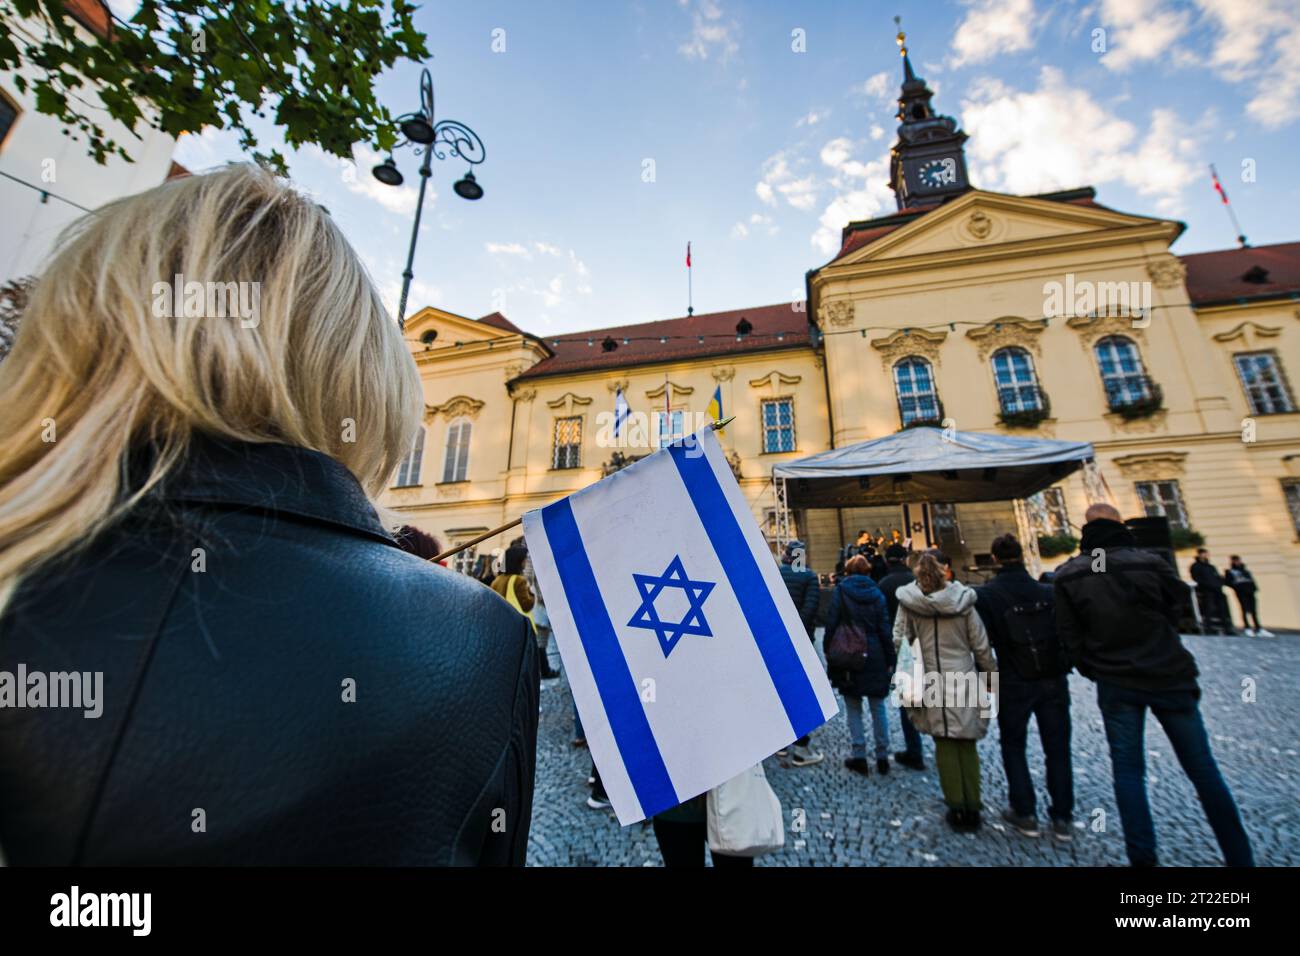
1032	681
897	574
1117	609
282	685
1209	593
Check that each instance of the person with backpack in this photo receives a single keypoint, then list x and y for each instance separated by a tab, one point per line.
805	591
860	660
1032	681
937	616
1117	612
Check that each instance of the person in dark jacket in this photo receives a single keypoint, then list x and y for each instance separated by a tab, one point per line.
1209	593
1117	609
283	685
1242	582
857	600
898	574
805	591
1031	683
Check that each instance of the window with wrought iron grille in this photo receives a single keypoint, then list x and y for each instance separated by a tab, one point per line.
918	401
455	464
1291	489
1017	384
1266	388
408	472
778	425
672	426
1122	374
1163	498
568	443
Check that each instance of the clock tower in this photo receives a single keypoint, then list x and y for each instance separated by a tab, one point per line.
927	164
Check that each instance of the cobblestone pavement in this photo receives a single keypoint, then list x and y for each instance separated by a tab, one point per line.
896	820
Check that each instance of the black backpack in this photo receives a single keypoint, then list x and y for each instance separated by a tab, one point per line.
1032	643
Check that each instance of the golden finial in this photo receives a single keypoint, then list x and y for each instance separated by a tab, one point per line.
902	37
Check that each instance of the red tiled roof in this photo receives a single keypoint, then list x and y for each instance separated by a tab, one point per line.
91	14
714	333
499	321
1219	276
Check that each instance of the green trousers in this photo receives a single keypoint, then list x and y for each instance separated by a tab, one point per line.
959	773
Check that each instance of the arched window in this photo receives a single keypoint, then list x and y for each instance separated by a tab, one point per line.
455	466
1017	384
1122	375
917	399
408	472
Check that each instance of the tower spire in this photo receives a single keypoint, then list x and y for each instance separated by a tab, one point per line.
908	75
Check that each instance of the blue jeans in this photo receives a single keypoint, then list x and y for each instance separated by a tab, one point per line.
1048	702
1124	712
879	725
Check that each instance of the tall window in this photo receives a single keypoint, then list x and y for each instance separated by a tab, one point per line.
408	472
1261	377
917	399
1163	498
1013	373
672	426
778	425
1122	374
463	561
455	465
1291	489
1048	511
568	443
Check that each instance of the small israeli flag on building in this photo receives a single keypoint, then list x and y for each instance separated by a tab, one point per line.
620	412
686	657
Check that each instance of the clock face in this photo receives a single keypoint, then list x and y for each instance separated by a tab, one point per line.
938	173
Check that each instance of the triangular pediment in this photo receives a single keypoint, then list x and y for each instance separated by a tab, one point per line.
979	224
451	328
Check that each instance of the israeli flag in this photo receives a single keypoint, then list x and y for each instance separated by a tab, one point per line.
620	412
685	654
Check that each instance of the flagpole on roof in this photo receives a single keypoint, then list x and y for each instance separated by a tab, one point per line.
690	292
1218	188
716	426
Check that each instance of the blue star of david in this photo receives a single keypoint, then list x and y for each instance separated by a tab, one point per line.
646	616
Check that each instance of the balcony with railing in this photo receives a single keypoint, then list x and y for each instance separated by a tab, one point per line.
1133	396
1023	406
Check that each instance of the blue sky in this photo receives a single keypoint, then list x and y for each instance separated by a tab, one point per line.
761	153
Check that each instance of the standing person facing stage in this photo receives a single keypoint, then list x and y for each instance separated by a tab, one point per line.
939	614
1242	582
805	591
1117	611
897	574
1032	682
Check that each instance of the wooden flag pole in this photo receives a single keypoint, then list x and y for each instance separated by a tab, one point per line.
716	426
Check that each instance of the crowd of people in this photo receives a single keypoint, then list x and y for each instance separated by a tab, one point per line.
1115	622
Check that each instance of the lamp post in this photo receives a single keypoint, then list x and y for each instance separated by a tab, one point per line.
440	138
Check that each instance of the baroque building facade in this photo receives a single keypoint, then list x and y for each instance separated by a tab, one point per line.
1041	316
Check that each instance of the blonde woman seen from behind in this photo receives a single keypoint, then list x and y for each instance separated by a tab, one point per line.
938	613
203	398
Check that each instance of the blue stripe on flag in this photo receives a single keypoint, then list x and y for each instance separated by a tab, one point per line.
618	691
755	600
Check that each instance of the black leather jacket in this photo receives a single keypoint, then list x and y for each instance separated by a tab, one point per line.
229	617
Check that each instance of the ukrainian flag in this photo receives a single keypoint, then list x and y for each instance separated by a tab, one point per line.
715	406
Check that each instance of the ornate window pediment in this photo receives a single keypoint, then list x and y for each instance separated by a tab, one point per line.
677	390
1010	330
905	342
1153	466
460	406
1246	330
568	402
774	378
1092	328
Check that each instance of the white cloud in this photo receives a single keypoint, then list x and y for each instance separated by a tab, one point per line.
739	231
1140	30
877	132
1058	136
812	118
507	249
992	27
710	33
875	87
779	179
1259	43
861	191
546	249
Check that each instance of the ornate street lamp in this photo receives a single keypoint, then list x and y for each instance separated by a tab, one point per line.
430	137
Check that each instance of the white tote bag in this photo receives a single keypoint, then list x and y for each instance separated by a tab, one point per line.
909	675
745	816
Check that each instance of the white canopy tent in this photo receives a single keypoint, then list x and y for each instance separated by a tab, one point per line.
931	465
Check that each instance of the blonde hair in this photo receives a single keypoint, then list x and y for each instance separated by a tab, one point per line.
930	573
96	372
